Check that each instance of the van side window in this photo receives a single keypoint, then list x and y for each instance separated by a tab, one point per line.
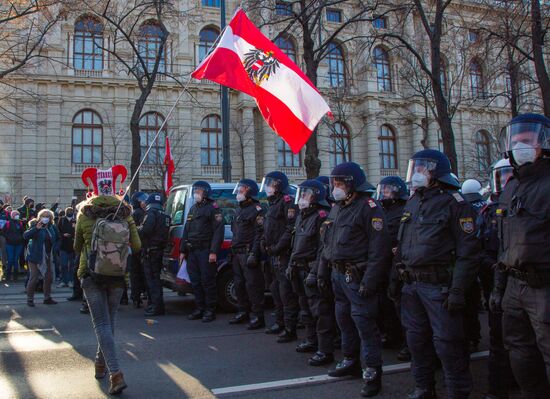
175	207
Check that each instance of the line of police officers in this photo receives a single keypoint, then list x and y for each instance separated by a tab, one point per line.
332	266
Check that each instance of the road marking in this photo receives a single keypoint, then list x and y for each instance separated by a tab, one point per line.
318	379
28	330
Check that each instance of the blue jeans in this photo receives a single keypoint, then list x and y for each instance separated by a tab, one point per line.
103	302
13	258
67	263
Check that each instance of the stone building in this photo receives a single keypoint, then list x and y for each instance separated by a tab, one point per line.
79	111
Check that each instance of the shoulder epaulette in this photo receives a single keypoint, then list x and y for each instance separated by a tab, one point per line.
459	198
371	202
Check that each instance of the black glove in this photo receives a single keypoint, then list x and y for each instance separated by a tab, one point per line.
322	285
495	301
311	280
365	292
455	302
251	261
290	272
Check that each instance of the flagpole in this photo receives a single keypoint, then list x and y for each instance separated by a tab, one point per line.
226	160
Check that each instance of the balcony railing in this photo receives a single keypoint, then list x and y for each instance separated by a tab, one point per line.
88	73
211	170
78	168
293	171
389	172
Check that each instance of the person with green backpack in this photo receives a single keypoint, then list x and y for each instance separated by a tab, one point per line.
105	233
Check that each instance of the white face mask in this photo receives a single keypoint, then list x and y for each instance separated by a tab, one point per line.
16	217
523	153
419	180
45	220
270	191
338	194
197	197
241	197
303	203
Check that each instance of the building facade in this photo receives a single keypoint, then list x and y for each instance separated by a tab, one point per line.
82	100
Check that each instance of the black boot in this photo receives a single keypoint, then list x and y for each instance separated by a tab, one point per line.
404	354
84	308
287	336
275	329
195	315
422	393
320	359
152	311
256	323
348	366
307	346
239	318
208	316
372	376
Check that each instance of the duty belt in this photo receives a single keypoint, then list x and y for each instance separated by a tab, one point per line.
535	279
198	246
302	263
343	266
433	277
241	250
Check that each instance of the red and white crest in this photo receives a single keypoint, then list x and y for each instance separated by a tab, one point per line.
103	181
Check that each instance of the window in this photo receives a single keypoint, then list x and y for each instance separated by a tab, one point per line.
340	150
388	154
211	3
287	46
483	150
334	15
285	157
207	38
283	8
380	23
88	44
87	140
151	37
476	80
149	125
383	70
211	141
336	65
473	36
443	76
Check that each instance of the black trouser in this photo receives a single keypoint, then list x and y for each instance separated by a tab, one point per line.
152	265
203	279
472	327
273	284
77	289
389	321
249	286
289	299
137	277
305	315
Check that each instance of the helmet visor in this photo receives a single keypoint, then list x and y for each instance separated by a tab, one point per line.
500	177
387	191
201	190
531	135
270	182
420	165
341	181
306	193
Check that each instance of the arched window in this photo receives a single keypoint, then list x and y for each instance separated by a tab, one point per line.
207	38
211	141
87	138
443	76
383	69
388	153
149	125
340	149
88	44
483	150
151	38
476	80
285	157
336	65
287	46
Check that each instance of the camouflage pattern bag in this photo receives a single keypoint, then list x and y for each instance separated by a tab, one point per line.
109	250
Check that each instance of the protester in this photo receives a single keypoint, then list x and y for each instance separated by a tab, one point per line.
12	232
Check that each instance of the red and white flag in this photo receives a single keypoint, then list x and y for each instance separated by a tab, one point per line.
170	168
245	60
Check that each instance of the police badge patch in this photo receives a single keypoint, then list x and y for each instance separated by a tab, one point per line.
467	225
377	224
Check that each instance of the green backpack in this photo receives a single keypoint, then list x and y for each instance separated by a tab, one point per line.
109	249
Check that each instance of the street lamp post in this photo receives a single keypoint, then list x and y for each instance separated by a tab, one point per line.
226	160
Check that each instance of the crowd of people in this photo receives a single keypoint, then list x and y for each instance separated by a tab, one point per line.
407	264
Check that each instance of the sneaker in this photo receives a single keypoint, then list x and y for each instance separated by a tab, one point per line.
50	301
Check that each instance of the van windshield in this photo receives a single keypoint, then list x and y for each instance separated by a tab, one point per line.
228	203
175	206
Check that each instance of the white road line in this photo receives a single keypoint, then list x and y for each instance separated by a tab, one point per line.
29	331
318	379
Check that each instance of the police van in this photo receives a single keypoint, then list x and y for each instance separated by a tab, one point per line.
178	205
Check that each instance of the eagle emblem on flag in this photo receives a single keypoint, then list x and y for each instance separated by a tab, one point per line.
260	65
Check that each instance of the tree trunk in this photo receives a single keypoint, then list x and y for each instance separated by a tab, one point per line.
513	72
537	40
136	142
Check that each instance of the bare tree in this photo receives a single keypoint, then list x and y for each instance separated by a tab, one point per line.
243	133
540	18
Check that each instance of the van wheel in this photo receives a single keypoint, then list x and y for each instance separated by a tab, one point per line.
227	298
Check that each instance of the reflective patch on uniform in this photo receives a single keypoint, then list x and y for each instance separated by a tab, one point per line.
377	224
371	202
458	197
258	208
260	220
500	211
291	213
406	216
467	225
219	217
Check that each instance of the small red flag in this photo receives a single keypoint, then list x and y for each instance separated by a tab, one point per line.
170	168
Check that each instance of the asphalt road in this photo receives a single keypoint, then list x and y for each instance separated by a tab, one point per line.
48	352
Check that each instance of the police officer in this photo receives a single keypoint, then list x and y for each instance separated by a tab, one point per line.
137	277
355	256
471	190
392	193
325	181
245	256
316	310
437	258
500	373
201	240
276	241
524	229
154	235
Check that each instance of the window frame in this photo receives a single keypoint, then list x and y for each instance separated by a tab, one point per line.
283	150
382	64
145	40
208	130
215	3
391	140
335	56
206	45
380	22
476	76
82	125
286	44
85	35
334	12
483	144
283	9
160	145
339	136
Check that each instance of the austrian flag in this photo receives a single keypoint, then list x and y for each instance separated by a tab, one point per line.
245	60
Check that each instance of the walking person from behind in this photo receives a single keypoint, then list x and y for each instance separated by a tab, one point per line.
202	238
